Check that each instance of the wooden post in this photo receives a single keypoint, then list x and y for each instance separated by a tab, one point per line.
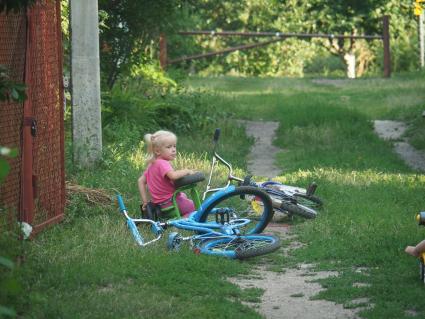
386	41
421	40
163	51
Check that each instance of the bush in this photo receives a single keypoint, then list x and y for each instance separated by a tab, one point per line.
10	249
325	65
177	110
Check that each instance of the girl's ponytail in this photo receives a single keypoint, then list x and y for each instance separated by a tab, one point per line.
149	148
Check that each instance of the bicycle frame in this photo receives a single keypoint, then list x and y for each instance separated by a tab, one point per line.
228	232
191	223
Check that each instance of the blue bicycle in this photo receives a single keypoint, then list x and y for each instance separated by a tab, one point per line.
226	236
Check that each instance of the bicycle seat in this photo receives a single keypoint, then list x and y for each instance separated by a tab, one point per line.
189	179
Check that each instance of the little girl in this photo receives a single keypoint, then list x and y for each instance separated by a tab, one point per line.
416	250
160	175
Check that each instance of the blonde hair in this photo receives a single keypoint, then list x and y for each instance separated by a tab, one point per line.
156	140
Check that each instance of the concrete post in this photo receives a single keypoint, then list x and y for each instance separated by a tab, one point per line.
85	83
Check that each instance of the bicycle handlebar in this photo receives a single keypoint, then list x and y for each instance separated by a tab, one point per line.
215	159
121	203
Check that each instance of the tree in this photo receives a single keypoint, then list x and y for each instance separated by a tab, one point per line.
131	29
130	32
282	58
349	17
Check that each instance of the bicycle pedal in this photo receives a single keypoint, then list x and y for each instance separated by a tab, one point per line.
311	189
222	217
142	212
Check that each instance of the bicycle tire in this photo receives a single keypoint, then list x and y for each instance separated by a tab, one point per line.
298	209
311	201
241	247
243	202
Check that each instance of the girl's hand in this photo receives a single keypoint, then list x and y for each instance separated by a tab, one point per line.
173	175
190	172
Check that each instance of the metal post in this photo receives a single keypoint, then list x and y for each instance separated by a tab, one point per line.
27	191
421	40
386	41
162	51
225	51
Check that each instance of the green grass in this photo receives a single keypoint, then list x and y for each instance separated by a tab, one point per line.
89	266
94	270
370	195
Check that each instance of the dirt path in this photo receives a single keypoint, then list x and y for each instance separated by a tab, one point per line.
261	160
393	131
287	293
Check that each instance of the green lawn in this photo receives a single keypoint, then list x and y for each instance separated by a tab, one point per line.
370	195
89	266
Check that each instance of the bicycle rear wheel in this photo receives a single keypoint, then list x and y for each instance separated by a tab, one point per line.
244	202
298	209
311	201
241	247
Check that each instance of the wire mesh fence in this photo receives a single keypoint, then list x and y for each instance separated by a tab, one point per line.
30	48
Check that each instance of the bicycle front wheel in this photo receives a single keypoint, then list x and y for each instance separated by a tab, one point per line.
241	247
244	202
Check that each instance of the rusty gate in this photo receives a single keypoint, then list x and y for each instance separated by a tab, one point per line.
31	49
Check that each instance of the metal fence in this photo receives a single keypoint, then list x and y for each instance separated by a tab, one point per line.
30	47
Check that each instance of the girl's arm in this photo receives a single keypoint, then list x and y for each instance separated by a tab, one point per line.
173	175
143	190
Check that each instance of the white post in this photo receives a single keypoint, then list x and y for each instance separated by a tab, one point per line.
350	60
85	79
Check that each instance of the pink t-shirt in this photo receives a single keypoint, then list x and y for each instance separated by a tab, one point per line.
160	186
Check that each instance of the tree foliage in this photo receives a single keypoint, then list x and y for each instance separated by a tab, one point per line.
14	5
295	16
130	33
10	90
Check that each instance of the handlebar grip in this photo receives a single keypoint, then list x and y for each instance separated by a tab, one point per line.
120	203
420	218
216	134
